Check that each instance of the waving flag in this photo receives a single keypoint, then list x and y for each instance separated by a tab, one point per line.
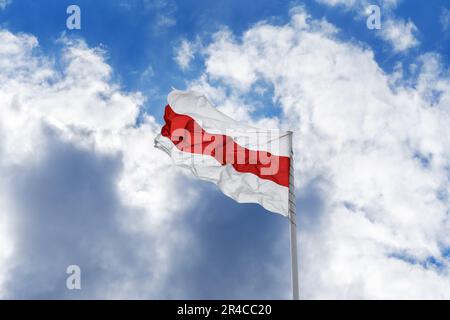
247	164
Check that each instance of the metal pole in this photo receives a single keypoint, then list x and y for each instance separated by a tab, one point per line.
293	227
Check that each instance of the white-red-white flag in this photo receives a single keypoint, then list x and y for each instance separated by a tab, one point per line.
247	164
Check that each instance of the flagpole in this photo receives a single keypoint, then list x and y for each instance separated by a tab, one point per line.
293	228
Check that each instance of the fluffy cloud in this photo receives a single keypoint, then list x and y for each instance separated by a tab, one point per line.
81	182
400	34
184	54
372	154
83	185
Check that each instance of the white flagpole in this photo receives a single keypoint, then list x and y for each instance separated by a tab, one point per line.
293	227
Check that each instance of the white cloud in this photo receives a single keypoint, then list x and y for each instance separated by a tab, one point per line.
345	3
165	21
351	4
444	19
71	106
184	54
372	155
4	4
165	13
400	34
82	184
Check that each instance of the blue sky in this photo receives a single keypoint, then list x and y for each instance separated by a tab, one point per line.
81	198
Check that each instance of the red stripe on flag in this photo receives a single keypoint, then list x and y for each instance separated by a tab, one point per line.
188	136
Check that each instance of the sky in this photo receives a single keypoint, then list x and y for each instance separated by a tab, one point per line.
83	185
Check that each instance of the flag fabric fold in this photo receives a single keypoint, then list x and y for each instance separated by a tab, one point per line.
248	164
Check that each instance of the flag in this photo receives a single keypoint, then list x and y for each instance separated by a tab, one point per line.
248	164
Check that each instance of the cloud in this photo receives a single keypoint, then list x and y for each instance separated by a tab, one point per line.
165	13
371	151
351	4
400	34
147	73
184	54
4	4
444	19
81	182
162	13
165	21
